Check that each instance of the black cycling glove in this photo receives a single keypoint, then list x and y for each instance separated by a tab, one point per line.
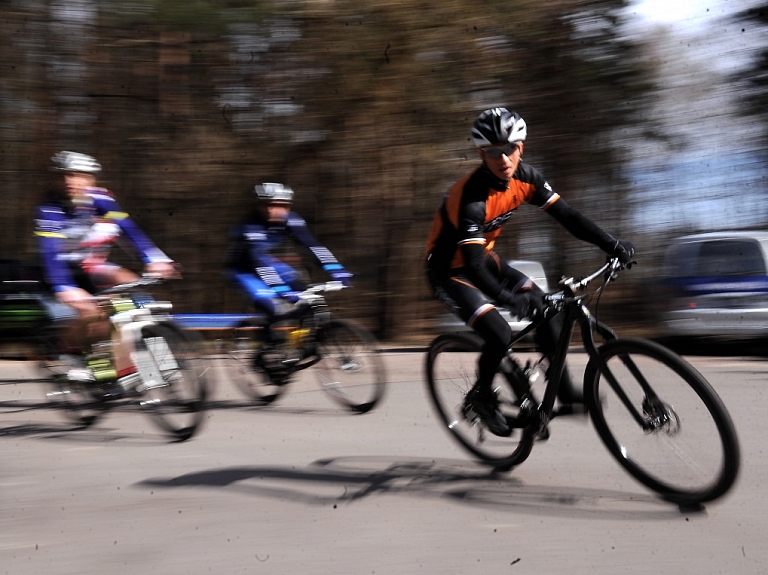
523	304
624	250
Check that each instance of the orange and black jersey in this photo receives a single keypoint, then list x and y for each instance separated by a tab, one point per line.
475	209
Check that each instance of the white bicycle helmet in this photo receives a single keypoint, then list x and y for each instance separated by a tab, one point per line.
75	162
273	192
496	126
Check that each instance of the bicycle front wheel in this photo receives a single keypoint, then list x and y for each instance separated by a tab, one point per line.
174	379
451	367
662	421
350	368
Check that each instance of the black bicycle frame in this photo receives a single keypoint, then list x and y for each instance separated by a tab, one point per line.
318	312
574	311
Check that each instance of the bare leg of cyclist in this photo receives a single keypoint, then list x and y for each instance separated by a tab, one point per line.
79	336
122	347
88	328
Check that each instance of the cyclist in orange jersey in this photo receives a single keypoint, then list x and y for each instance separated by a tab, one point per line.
469	277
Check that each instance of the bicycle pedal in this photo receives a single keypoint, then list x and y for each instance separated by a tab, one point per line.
112	393
487	422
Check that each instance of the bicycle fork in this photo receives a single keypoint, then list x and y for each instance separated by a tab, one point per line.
655	413
130	328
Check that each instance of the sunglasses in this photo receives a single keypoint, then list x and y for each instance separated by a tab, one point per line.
496	152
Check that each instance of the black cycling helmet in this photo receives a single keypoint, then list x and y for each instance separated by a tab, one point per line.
498	125
271	192
75	162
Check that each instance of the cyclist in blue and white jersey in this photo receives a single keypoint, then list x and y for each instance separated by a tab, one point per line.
76	225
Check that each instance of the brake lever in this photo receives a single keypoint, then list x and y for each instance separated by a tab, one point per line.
553	304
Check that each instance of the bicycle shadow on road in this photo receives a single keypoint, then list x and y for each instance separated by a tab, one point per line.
26	409
244	405
347	480
28	429
70	432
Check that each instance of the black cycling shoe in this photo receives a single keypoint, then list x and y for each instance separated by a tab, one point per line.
485	405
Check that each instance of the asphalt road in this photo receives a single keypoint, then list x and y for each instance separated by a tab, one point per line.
304	488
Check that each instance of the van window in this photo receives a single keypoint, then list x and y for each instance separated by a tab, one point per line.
680	261
729	258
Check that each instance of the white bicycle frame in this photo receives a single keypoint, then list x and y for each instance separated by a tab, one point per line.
129	325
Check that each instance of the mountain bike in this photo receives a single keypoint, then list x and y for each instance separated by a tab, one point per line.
171	382
262	357
658	416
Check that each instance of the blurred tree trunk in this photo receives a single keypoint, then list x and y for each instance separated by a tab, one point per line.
364	109
755	78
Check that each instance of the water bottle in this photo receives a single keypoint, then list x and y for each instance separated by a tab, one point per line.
100	361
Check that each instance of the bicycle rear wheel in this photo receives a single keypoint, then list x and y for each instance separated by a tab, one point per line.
174	379
451	367
76	399
662	421
240	363
350	368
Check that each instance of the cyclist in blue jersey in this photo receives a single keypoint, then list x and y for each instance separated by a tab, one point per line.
252	263
77	224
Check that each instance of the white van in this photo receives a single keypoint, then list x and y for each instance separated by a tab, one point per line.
717	285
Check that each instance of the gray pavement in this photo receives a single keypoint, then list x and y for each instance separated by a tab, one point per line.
304	488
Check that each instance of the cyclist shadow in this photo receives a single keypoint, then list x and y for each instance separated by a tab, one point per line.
346	480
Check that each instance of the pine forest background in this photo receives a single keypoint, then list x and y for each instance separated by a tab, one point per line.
362	107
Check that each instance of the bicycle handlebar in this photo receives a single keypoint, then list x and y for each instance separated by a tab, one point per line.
610	270
612	267
323	287
310	298
315	291
143	281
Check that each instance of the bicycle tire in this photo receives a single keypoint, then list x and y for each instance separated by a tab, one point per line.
350	368
241	368
76	402
174	384
688	451
75	399
451	366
